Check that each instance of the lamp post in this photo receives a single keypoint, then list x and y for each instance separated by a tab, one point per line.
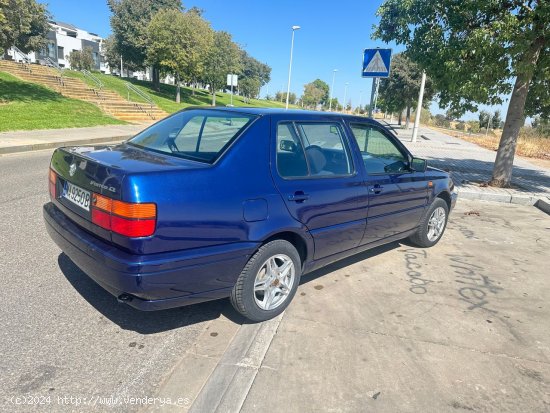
331	89
294	28
345	94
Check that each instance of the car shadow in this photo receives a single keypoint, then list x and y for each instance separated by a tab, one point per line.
128	318
145	322
354	259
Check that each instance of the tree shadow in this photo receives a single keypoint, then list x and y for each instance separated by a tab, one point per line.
20	91
474	170
128	318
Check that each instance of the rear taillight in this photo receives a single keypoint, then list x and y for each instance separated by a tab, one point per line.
52	180
124	218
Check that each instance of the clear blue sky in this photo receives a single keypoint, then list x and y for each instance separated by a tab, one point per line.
333	36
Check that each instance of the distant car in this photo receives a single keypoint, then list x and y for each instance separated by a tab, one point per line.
213	203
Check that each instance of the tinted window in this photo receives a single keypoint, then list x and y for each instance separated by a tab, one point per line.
318	149
380	154
325	148
291	160
195	134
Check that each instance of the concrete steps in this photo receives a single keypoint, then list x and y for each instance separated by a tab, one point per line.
107	100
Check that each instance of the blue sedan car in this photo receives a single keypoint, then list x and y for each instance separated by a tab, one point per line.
212	203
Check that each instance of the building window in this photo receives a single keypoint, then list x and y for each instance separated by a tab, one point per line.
95	55
51	51
60	52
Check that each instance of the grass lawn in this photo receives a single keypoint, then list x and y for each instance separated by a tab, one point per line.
28	106
165	99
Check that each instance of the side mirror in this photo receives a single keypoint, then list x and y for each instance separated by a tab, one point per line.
173	133
287	146
419	164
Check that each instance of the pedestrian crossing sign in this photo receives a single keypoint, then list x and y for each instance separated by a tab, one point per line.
376	62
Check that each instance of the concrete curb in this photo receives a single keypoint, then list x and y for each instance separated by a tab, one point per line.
228	386
51	145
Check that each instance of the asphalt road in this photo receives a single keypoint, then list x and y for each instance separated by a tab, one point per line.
62	335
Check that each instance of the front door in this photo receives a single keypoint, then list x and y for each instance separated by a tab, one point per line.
397	195
314	172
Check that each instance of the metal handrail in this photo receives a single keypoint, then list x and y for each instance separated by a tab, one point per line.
94	79
24	56
132	88
55	65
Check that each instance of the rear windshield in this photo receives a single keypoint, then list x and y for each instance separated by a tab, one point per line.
200	135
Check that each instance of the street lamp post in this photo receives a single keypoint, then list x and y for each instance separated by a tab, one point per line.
331	89
345	94
294	28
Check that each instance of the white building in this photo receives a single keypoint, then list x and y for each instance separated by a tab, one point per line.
63	38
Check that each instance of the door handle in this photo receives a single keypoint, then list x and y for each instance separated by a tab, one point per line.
299	196
376	188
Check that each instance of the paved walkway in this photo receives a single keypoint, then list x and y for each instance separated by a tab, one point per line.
22	141
471	165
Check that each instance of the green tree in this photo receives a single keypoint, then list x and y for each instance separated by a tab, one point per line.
23	23
81	59
314	94
249	87
178	44
324	87
477	51
483	119
253	68
109	52
400	90
129	22
222	59
496	120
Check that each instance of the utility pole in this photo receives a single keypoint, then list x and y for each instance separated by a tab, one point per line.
331	89
345	95
294	28
419	107
372	92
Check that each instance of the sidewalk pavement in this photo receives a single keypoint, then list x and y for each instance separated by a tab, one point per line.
23	141
470	165
457	327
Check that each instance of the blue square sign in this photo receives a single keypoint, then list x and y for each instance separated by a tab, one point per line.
376	62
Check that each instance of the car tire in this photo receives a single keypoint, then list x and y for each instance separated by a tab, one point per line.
268	282
432	225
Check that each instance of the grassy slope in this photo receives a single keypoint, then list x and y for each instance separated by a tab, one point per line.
165	99
27	106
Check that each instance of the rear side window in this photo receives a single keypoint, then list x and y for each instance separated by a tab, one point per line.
200	135
312	150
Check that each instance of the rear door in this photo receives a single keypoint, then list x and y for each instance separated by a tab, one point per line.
397	195
314	170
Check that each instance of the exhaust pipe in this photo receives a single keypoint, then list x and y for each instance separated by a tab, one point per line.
124	298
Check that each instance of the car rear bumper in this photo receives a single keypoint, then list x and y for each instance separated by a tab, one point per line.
155	281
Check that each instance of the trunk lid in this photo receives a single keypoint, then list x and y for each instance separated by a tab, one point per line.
103	170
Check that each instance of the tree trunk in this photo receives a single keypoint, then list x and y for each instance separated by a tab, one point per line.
504	162
156	78
408	119
400	119
213	96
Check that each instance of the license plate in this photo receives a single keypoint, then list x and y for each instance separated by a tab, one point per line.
77	195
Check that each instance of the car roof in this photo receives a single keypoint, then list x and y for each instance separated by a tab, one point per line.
281	111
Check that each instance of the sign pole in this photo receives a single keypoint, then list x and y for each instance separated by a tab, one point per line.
372	96
419	107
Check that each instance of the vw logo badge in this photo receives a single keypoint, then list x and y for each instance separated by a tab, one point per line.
72	169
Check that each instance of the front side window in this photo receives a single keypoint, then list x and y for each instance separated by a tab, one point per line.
308	149
380	154
200	135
